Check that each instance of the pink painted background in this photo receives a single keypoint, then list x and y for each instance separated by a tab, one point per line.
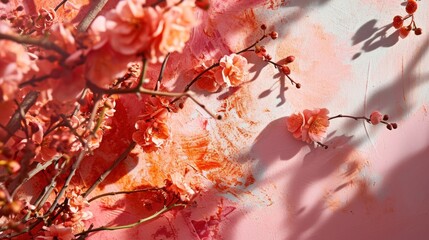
370	184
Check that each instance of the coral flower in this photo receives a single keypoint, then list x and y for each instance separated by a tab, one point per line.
104	64
177	23
14	63
295	123
233	71
131	27
151	135
57	232
310	125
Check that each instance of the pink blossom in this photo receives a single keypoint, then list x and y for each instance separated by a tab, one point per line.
233	69
14	63
376	117
152	129
295	123
177	23
151	135
104	65
59	232
131	27
310	125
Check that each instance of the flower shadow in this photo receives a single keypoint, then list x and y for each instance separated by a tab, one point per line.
275	142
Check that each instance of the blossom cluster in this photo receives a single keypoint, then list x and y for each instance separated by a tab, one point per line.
59	91
311	126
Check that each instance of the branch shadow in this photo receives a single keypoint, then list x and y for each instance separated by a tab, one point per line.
374	37
399	201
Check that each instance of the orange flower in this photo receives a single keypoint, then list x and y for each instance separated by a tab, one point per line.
177	23
233	71
295	123
151	135
152	129
310	125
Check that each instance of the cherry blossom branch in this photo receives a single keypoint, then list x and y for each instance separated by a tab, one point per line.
153	216
14	123
143	90
188	86
122	192
110	169
48	189
251	46
286	72
77	162
34	80
41	42
96	7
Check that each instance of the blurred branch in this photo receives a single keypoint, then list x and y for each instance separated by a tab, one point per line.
95	9
15	122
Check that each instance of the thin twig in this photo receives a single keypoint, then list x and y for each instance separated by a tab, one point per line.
122	192
348	116
42	42
153	216
188	86
97	89
77	162
59	5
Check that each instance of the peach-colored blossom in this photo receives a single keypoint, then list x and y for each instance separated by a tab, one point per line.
233	69
177	23
135	28
295	123
376	117
104	65
310	125
152	129
131	27
151	135
316	124
59	232
14	63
